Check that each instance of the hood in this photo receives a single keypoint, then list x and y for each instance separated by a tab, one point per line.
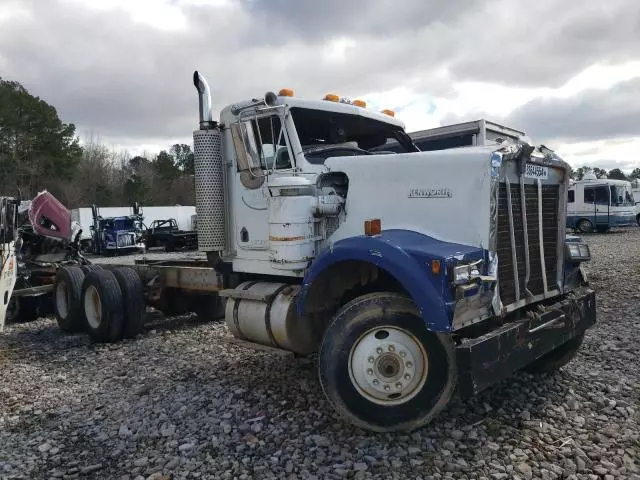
49	217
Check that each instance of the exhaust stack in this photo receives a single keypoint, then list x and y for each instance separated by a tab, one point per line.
209	175
204	101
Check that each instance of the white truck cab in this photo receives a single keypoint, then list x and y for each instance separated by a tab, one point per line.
410	273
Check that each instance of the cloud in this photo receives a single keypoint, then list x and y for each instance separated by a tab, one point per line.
124	70
592	114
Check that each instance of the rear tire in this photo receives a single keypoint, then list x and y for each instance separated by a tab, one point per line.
558	358
132	299
90	268
381	368
585	226
102	305
68	299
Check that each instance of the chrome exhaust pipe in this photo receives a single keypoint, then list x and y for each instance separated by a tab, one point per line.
204	101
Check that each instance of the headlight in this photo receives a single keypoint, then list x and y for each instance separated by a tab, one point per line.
578	252
463	274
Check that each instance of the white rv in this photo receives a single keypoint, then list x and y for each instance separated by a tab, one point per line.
597	204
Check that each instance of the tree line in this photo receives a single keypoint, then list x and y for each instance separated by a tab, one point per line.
614	173
38	151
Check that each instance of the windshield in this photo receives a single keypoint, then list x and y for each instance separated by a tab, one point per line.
326	134
621	195
119	224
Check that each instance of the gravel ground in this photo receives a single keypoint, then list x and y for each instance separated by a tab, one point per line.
179	402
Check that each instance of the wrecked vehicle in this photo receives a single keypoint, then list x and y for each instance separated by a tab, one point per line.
45	239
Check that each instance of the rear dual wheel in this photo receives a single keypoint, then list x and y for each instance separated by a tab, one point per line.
381	368
108	305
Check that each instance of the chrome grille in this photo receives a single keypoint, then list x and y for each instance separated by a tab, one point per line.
125	240
550	204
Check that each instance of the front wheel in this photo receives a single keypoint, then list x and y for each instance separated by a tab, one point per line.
381	368
585	226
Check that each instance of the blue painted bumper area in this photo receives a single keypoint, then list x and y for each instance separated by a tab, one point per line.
407	256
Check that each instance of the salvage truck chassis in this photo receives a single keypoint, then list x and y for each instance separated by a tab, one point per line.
413	276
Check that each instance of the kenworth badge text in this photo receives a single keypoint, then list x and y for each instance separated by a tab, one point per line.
413	275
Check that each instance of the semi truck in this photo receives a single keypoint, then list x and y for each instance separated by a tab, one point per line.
413	276
37	237
116	235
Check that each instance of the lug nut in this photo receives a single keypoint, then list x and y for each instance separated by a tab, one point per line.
371	359
379	349
407	376
370	371
403	353
376	381
398	385
387	388
409	364
391	348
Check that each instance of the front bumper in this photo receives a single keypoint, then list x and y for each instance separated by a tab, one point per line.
494	356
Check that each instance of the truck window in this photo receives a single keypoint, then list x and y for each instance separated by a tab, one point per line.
571	197
260	144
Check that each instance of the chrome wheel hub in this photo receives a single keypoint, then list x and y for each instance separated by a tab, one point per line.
388	365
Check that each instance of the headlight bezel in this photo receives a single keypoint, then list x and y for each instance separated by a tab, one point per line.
577	252
463	274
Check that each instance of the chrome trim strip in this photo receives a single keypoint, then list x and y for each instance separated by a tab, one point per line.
541	237
523	203
514	255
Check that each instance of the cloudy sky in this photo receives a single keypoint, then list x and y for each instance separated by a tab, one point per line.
567	73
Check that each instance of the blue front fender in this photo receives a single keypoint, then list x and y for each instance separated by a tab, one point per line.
407	256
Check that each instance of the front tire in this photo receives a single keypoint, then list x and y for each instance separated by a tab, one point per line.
585	226
381	368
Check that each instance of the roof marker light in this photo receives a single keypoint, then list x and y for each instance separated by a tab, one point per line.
391	113
286	92
360	103
331	97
